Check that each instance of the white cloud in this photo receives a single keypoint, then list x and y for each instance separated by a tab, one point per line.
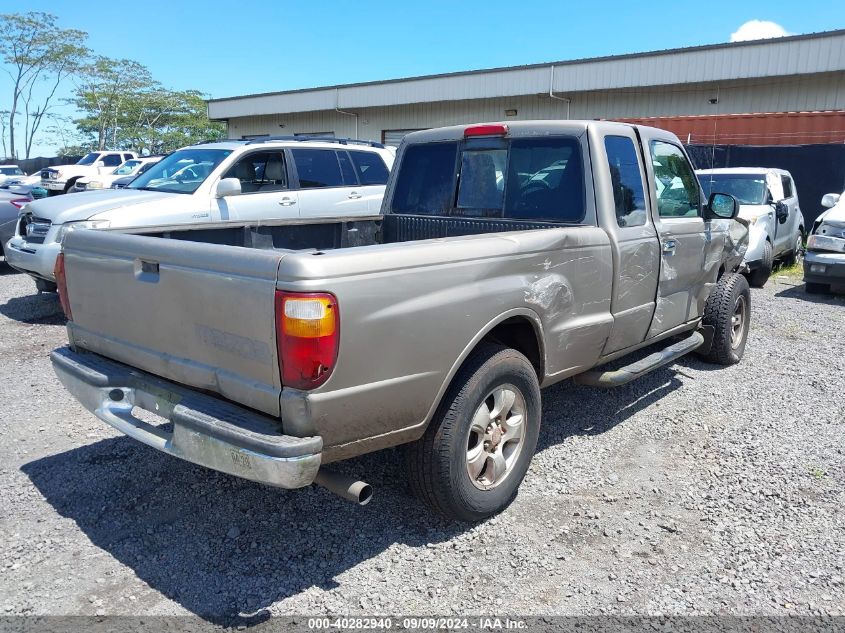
758	30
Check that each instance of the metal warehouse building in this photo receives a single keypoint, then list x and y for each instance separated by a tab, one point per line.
789	90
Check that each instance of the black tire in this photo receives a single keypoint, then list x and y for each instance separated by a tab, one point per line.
438	463
719	311
759	277
795	255
815	288
42	285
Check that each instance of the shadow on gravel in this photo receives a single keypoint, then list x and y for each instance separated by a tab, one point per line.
37	309
222	547
570	409
226	548
799	292
5	269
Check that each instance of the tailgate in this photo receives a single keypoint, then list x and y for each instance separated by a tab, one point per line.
198	314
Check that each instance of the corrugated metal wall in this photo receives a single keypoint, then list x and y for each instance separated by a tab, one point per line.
824	91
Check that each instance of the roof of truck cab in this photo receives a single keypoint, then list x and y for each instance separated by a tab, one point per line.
747	171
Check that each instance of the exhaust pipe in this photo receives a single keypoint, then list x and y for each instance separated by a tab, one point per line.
359	492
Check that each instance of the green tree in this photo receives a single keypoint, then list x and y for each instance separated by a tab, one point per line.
105	94
36	54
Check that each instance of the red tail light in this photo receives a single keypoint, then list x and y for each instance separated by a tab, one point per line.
486	130
307	335
18	203
61	285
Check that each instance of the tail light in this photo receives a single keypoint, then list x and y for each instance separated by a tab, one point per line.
19	203
61	285
307	335
486	130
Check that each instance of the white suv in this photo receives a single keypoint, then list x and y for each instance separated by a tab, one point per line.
265	178
131	168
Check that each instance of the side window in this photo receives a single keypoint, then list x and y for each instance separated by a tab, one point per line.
346	170
626	180
787	186
317	168
370	167
674	181
127	157
112	160
260	172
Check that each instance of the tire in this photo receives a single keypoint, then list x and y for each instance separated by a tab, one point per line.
795	255
815	288
439	463
759	277
729	299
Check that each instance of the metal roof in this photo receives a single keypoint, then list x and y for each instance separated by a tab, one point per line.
793	55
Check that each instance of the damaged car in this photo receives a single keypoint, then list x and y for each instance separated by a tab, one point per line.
824	263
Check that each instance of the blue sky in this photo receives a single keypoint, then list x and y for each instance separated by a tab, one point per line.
231	48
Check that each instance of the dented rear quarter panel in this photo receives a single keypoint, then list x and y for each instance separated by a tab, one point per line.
415	310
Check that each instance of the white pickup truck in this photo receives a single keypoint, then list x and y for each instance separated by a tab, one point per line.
60	178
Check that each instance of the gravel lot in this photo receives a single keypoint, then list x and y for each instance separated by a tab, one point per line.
695	490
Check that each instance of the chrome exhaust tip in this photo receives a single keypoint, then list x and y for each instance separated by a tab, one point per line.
349	488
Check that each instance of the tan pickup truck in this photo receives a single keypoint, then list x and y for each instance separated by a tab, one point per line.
507	257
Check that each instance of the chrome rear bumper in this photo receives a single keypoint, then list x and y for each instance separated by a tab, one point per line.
207	431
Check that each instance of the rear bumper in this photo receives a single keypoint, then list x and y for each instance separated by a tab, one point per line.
824	268
205	430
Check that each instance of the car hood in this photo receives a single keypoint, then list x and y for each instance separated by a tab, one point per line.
73	207
834	214
751	211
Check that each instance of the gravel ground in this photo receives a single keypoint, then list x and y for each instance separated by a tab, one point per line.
696	490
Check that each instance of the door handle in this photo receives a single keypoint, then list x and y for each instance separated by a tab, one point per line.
669	247
354	195
286	202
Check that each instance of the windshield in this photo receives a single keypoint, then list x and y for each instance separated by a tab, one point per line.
746	188
89	159
126	168
181	172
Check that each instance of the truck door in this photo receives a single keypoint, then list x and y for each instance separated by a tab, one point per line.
624	212
686	270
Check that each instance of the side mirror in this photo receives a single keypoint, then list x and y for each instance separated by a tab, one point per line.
830	200
99	164
721	206
228	187
781	212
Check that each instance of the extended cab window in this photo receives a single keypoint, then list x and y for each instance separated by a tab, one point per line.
786	181
112	160
523	178
370	167
674	181
626	180
260	172
317	168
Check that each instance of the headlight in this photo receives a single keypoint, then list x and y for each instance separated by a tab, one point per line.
67	227
94	184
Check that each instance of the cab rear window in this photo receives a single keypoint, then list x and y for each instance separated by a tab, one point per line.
526	178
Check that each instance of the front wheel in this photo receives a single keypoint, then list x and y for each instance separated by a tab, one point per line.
760	276
477	448
728	312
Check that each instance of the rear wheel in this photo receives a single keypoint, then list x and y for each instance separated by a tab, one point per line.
760	276
728	312
477	449
797	253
